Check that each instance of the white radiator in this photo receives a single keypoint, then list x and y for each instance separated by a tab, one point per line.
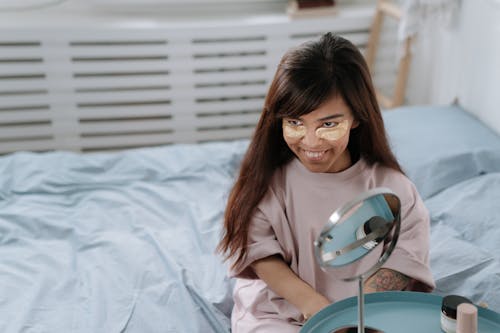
105	89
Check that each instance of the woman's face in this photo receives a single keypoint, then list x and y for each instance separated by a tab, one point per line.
319	139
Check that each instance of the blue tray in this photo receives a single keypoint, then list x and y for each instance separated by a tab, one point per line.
394	312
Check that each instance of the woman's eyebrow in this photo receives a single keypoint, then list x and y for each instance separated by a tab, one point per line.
333	116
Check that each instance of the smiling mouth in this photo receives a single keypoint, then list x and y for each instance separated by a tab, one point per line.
314	155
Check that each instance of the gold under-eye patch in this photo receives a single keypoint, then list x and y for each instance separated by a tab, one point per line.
293	132
333	133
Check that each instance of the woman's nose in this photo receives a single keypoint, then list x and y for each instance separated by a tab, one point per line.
311	139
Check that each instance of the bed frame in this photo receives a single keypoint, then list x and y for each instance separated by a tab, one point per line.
109	88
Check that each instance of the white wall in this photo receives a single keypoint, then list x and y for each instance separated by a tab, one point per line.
461	62
433	73
479	89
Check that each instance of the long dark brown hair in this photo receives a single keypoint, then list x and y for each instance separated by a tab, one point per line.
306	77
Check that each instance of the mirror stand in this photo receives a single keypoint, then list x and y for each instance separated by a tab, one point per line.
361	305
360	328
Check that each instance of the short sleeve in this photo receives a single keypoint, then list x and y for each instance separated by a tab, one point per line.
262	238
411	254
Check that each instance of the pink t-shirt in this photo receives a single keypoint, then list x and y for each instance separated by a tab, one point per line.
288	220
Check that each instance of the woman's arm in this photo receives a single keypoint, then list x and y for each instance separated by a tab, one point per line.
386	279
280	278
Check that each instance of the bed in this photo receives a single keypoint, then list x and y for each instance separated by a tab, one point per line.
124	241
98	240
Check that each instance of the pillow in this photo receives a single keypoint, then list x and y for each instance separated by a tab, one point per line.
439	146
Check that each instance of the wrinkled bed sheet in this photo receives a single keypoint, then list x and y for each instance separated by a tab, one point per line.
120	242
465	239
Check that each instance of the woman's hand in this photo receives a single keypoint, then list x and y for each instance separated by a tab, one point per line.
313	305
280	278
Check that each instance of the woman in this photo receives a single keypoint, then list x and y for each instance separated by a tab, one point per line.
320	142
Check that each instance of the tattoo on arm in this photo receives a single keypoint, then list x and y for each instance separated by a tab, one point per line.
387	279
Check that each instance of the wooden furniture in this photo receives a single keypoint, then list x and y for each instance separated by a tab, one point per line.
386	8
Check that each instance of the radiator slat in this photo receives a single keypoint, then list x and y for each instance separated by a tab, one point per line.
226	48
25	84
82	99
218	77
19	53
32	145
121	96
25	131
236	62
125	126
208	123
12	117
113	81
229	106
175	109
121	142
9	101
228	134
124	112
124	141
118	52
12	68
118	66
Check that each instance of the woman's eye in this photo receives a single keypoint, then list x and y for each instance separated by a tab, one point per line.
294	122
330	124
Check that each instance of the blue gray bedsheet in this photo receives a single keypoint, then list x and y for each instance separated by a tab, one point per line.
124	242
454	160
120	242
465	238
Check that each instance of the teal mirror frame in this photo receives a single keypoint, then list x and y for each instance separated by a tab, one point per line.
372	205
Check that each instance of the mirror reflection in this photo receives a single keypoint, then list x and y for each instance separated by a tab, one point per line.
367	223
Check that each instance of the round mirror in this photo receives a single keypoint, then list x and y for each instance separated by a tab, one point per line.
367	225
370	222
